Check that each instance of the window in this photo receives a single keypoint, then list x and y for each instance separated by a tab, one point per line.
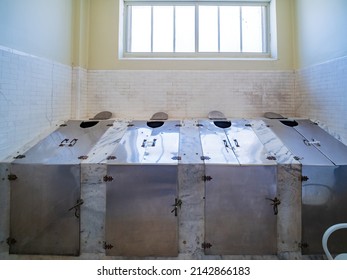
196	29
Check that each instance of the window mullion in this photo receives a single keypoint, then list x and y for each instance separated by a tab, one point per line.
152	29
174	29
129	28
196	28
218	28
241	46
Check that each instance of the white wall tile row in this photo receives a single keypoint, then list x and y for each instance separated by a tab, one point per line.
321	94
189	94
34	95
79	94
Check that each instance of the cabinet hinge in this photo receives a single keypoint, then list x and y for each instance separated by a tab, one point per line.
108	178
304	178
206	178
205	158
176	158
12	177
303	245
206	245
107	246
11	241
82	157
19	157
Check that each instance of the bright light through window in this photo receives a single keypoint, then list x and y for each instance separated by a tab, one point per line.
196	28
185	29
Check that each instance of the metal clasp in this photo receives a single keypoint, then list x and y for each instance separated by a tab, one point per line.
178	203
64	142
236	143
313	142
77	207
73	142
275	203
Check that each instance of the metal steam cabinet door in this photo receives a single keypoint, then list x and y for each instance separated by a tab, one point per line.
332	148
43	219
140	213
240	210
324	203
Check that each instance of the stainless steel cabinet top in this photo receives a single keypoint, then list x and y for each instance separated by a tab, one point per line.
307	154
332	148
232	142
148	142
65	145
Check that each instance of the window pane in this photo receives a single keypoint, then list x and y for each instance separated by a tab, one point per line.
162	29
140	29
229	28
208	29
252	29
185	29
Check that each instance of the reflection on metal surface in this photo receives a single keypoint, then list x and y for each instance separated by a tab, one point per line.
238	217
45	199
238	180
139	203
39	218
141	200
324	177
316	194
65	144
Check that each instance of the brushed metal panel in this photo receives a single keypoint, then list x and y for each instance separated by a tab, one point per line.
246	144
332	148
54	149
239	218
295	142
215	144
324	203
147	145
40	220
139	201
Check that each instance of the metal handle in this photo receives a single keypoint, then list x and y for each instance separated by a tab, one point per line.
275	203
154	141
178	203
236	143
79	202
226	144
73	142
62	143
313	142
144	143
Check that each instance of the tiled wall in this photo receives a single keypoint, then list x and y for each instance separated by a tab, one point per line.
79	102
321	94
34	94
187	94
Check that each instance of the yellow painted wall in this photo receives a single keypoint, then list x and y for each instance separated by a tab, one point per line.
320	31
81	11
38	27
103	44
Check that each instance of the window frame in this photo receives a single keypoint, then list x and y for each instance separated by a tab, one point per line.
266	29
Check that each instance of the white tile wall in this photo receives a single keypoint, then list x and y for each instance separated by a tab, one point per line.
186	94
34	94
79	94
321	94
